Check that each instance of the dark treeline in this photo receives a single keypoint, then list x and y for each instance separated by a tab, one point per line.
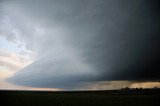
122	97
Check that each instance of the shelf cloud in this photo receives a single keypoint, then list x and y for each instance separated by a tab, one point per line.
84	40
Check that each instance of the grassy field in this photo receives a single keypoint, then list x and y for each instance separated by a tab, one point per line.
148	97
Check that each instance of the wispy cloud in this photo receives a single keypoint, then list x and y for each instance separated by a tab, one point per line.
13	62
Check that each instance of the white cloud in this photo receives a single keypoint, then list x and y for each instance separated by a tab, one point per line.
13	62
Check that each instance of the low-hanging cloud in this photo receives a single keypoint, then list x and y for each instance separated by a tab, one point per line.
93	40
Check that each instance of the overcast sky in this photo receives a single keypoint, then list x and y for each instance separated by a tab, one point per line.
62	43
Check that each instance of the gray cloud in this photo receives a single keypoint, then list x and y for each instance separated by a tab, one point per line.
91	40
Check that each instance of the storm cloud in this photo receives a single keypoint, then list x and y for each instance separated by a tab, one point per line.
86	40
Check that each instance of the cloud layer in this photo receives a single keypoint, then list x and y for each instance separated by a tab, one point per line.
78	41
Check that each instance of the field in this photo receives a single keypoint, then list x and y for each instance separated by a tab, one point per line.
147	97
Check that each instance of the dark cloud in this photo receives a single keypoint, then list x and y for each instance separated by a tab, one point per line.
92	40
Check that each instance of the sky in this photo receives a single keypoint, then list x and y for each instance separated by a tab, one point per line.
79	44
